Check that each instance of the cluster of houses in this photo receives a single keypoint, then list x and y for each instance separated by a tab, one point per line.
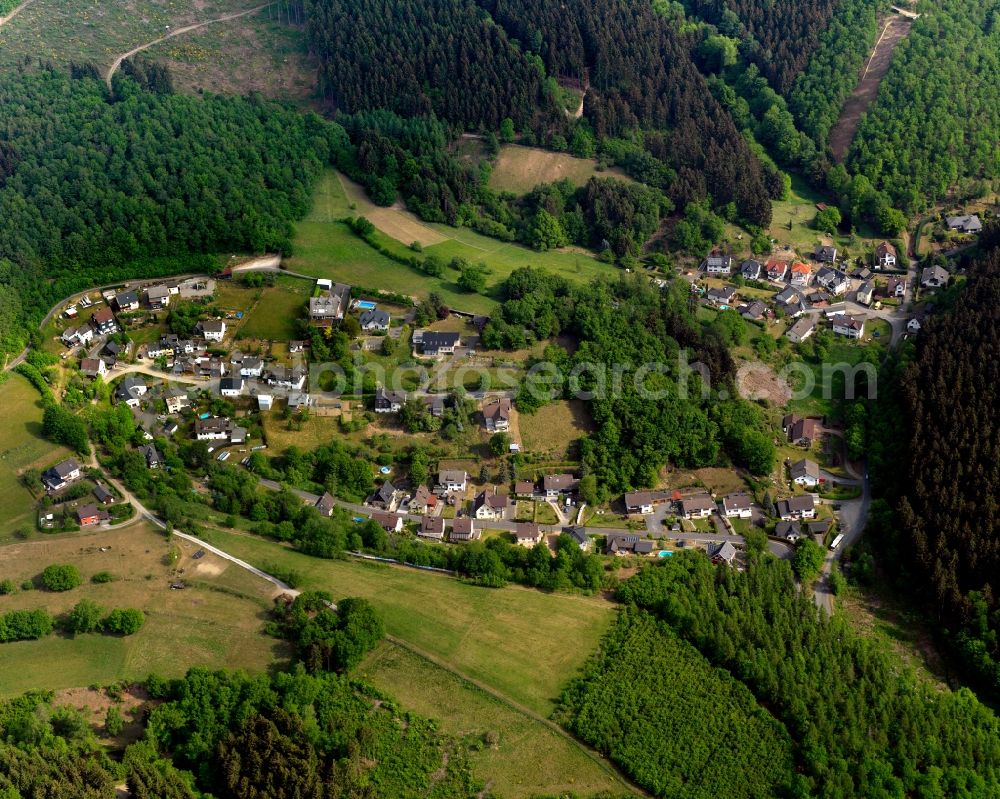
332	301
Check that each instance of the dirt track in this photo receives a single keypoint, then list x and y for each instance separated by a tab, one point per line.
895	28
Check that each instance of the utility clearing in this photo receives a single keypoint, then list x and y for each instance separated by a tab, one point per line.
894	29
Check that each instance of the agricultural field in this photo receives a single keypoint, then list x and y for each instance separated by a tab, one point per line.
256	53
217	621
274	313
520	642
327	248
64	31
519	169
553	427
528	759
21	447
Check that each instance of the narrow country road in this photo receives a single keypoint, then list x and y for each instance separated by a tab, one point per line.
15	12
178	32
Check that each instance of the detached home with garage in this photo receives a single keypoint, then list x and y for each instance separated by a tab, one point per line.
801	507
719	264
699	506
61	475
885	256
804	473
464	529
737	506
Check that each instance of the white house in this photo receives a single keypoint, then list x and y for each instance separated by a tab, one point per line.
214	428
969	223
496	413
252	367
801	330
913	326
717	264
699	506
374	320
885	256
850	326
453	479
231	386
934	277
737	506
264	402
804	473
213	329
866	293
801	507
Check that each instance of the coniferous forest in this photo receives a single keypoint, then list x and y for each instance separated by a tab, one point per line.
938	529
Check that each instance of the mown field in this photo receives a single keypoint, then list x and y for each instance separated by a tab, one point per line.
273	316
217	621
21	447
64	31
528	759
324	247
520	642
519	169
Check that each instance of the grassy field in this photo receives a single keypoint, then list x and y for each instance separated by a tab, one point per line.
62	31
552	427
255	53
529	759
21	447
520	642
273	316
217	621
327	248
519	169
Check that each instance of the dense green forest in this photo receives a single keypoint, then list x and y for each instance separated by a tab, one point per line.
936	120
862	724
642	81
778	37
830	76
938	448
680	727
97	186
630	323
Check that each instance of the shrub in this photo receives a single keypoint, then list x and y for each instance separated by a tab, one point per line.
61	577
102	577
124	621
114	722
85	617
7	587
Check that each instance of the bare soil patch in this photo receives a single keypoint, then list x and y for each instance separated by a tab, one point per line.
895	28
756	380
519	169
396	222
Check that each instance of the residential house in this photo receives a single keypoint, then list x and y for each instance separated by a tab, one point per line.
238	435
490	505
177	400
265	402
833	280
435	405
801	274
737	506
390	522
62	474
325	504
423	501
291	378
755	311
439	343
820	299
800	431
790	531
895	287
850	326
157	297
718	264
698	506
644	501
385	497
299	399
113	350
452	480
170	427
800	507
127	301
154	459
89	515
885	256
934	277
913	326
722	553
556	484
968	223
804	473
776	269
214	428
102	494
330	307
69	336
375	321
751	269
231	386
524	488
296	347
826	255
252	367
721	296
819	527
130	390
212	329
464	529
786	295
621	544
103	322
866	293
496	413
431	527
862	273
527	534
388	401
581	539
93	367
801	330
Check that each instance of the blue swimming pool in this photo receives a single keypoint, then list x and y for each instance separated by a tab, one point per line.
366	305
666	554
